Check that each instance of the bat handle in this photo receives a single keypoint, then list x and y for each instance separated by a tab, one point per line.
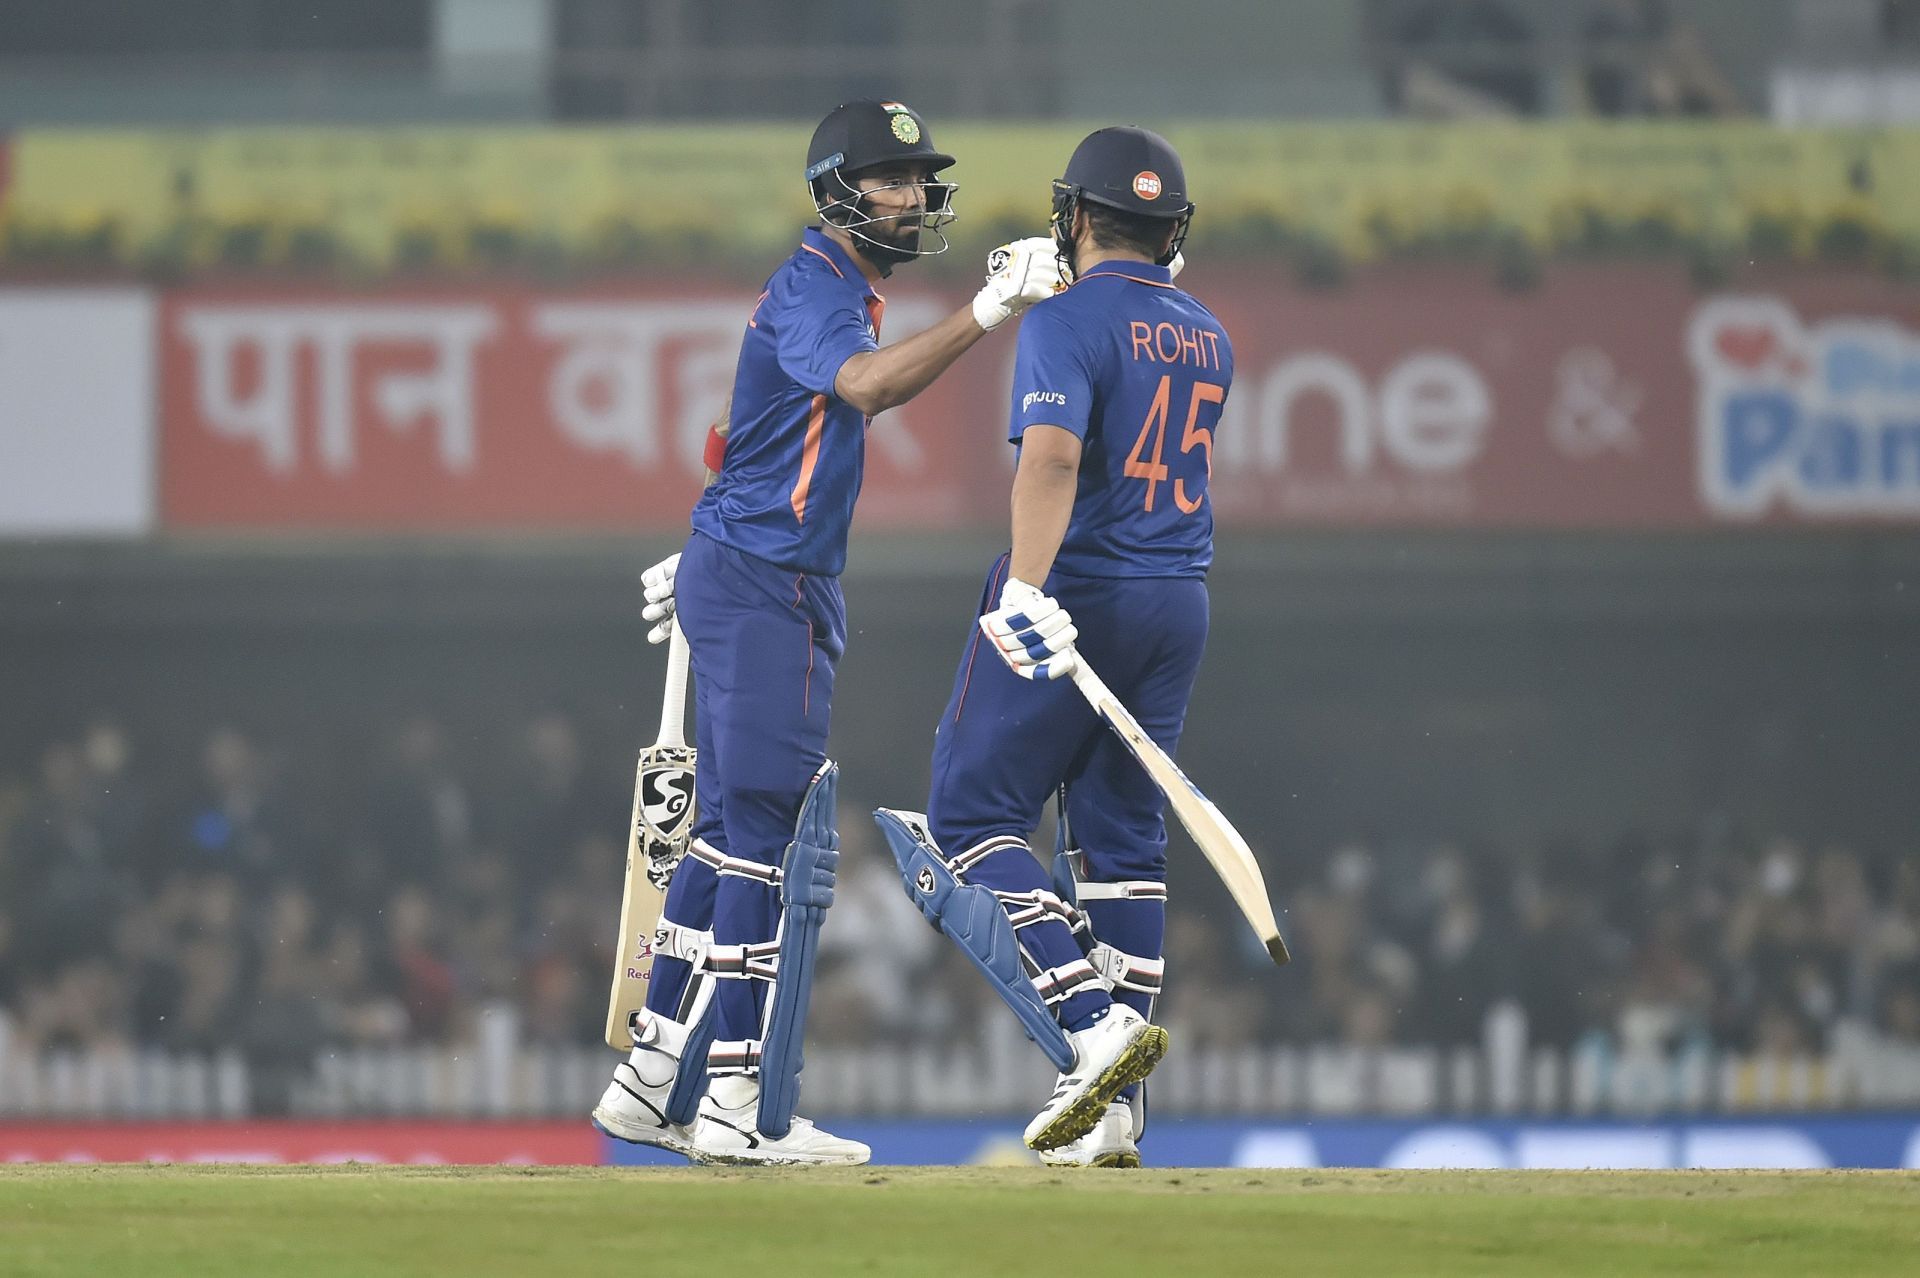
1091	685
673	708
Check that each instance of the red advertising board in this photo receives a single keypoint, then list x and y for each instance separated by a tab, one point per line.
1607	397
359	1141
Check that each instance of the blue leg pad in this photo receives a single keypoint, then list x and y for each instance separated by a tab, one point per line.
690	1083
806	891
972	917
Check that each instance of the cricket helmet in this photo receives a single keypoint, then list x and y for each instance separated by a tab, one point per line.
1133	170
860	135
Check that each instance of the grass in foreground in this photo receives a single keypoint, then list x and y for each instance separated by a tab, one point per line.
161	1220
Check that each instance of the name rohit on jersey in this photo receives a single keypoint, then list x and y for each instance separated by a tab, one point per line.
1166	343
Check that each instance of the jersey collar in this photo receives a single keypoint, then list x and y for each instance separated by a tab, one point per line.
820	242
1145	272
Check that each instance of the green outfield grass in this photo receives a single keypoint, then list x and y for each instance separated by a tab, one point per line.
163	1220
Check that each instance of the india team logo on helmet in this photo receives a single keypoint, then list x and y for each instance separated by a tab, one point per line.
1146	184
904	126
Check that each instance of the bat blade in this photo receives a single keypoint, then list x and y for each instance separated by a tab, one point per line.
658	836
1232	859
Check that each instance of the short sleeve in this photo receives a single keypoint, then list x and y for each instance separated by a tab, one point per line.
818	324
1052	374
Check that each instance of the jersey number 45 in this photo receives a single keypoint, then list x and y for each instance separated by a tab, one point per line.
1154	470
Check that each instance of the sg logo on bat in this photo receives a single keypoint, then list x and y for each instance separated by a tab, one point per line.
666	799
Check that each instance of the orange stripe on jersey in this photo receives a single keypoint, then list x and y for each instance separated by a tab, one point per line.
823	257
1122	275
809	457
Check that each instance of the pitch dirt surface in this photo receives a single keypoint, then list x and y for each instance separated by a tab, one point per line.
213	1221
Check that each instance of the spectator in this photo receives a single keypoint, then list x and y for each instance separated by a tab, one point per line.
236	823
1640	943
420	814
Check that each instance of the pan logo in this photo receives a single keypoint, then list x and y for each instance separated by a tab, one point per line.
1822	419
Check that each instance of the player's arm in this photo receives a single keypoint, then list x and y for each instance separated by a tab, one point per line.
1044	483
874	381
1018	274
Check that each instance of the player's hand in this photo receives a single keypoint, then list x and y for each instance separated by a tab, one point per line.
1018	274
1177	265
656	585
1031	632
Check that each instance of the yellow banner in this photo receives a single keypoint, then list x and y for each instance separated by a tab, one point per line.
390	198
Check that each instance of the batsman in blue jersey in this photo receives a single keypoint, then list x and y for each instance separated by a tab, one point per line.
757	592
1118	386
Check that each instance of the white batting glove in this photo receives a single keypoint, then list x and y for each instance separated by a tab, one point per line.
1018	274
1031	632
1177	265
656	585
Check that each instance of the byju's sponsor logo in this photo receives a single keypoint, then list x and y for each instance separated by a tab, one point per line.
1822	418
1043	397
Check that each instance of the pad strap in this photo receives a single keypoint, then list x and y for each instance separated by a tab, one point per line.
677	940
1058	984
755	962
1120	970
961	862
735	1056
737	867
1136	890
1024	909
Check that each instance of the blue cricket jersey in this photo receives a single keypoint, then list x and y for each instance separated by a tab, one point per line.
1138	370
795	454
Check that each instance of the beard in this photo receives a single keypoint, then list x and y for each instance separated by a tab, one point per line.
890	241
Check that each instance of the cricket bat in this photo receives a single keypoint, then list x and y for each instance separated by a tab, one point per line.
657	837
1215	836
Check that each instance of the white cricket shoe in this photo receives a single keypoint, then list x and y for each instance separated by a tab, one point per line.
1118	1049
1109	1144
634	1106
727	1132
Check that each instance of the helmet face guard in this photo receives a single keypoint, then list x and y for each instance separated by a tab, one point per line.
1066	205
839	202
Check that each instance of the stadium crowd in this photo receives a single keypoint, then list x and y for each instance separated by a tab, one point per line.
234	898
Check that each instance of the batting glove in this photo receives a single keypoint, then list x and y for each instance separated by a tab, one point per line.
1018	274
1177	265
656	585
1031	632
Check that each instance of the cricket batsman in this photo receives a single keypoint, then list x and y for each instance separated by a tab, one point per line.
757	593
1118	386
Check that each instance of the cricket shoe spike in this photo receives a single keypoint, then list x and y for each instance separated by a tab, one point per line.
727	1133
1118	1049
634	1106
1109	1144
